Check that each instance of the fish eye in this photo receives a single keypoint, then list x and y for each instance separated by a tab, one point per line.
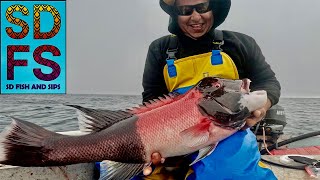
216	84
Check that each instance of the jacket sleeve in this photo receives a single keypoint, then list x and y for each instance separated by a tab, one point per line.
153	81
260	72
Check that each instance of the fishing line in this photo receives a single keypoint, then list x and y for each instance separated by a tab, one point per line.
264	141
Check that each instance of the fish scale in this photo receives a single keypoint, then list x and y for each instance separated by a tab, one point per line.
168	118
112	145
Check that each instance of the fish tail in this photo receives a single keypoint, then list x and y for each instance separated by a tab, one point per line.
22	144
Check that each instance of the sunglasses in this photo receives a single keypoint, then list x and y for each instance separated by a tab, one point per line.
188	9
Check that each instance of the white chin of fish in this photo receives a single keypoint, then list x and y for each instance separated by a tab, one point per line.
254	100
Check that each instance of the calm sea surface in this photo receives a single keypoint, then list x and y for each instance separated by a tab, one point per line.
50	112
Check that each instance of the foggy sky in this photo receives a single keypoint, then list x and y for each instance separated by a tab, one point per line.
107	42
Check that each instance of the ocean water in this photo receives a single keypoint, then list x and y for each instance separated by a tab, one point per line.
49	111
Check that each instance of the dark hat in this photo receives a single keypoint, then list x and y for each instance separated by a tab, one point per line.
220	10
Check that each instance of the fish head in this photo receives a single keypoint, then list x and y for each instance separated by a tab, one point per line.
227	103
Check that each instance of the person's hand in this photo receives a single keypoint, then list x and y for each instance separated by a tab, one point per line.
156	159
257	116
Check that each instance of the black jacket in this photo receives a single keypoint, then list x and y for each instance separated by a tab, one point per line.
243	50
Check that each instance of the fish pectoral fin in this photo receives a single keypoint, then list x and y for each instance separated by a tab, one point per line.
196	135
204	152
116	170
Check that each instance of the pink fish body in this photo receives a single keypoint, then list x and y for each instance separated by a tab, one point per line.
186	129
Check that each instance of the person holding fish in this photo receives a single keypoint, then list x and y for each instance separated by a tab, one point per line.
196	49
195	130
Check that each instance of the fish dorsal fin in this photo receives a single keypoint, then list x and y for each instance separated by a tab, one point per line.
196	135
94	120
115	170
204	152
155	103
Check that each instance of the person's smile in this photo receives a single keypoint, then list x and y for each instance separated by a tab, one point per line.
197	27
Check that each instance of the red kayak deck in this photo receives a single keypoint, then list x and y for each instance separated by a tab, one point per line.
310	150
